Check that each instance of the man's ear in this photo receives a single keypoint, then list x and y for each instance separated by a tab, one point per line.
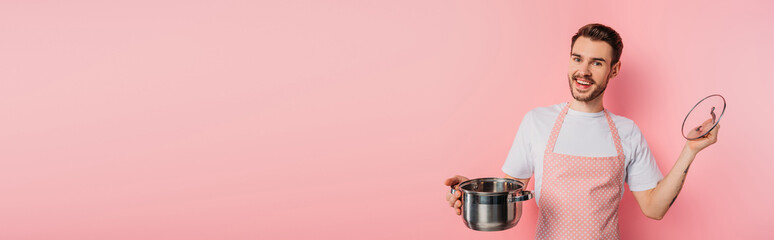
615	69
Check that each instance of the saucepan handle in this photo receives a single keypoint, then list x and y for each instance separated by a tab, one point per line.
525	195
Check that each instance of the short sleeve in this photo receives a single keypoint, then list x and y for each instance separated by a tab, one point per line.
520	163
642	173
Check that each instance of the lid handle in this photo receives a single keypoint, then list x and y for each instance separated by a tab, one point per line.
712	112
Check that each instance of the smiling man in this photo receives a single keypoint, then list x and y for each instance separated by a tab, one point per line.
580	154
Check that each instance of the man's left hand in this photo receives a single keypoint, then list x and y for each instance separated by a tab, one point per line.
699	144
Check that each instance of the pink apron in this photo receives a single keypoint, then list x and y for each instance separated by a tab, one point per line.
579	196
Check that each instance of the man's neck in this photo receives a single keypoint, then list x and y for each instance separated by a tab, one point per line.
592	106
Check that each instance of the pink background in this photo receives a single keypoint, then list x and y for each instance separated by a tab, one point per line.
341	119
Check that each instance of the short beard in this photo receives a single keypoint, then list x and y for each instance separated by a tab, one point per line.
596	93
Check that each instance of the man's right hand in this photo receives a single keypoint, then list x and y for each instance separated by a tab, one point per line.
454	199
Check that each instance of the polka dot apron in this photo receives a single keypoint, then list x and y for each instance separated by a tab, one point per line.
579	196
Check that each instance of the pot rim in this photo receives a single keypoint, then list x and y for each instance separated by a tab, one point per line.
514	192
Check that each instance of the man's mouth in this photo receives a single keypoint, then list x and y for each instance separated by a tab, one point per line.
582	83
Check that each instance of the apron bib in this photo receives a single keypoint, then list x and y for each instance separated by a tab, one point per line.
580	195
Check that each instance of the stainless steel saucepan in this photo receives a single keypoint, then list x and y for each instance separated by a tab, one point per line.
492	204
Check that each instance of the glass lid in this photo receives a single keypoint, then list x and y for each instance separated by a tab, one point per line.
704	116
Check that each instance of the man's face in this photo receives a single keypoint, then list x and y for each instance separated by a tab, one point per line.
590	68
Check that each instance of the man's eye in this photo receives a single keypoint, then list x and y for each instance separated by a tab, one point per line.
597	64
576	59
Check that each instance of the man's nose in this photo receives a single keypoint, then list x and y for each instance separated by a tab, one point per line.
584	70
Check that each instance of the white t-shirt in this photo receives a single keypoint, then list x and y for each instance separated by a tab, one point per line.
582	134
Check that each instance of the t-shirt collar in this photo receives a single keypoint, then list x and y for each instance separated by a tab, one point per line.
571	112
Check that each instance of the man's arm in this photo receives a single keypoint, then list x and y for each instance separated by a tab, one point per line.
655	202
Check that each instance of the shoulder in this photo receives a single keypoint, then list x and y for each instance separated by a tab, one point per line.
546	111
627	128
540	118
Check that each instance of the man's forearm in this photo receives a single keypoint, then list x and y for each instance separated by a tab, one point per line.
665	193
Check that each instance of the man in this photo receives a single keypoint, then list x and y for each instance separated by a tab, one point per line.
581	154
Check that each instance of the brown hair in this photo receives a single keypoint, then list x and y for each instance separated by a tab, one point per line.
599	32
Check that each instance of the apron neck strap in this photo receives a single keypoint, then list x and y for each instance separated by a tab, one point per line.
560	121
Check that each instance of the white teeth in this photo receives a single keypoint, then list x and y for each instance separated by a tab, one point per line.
583	82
